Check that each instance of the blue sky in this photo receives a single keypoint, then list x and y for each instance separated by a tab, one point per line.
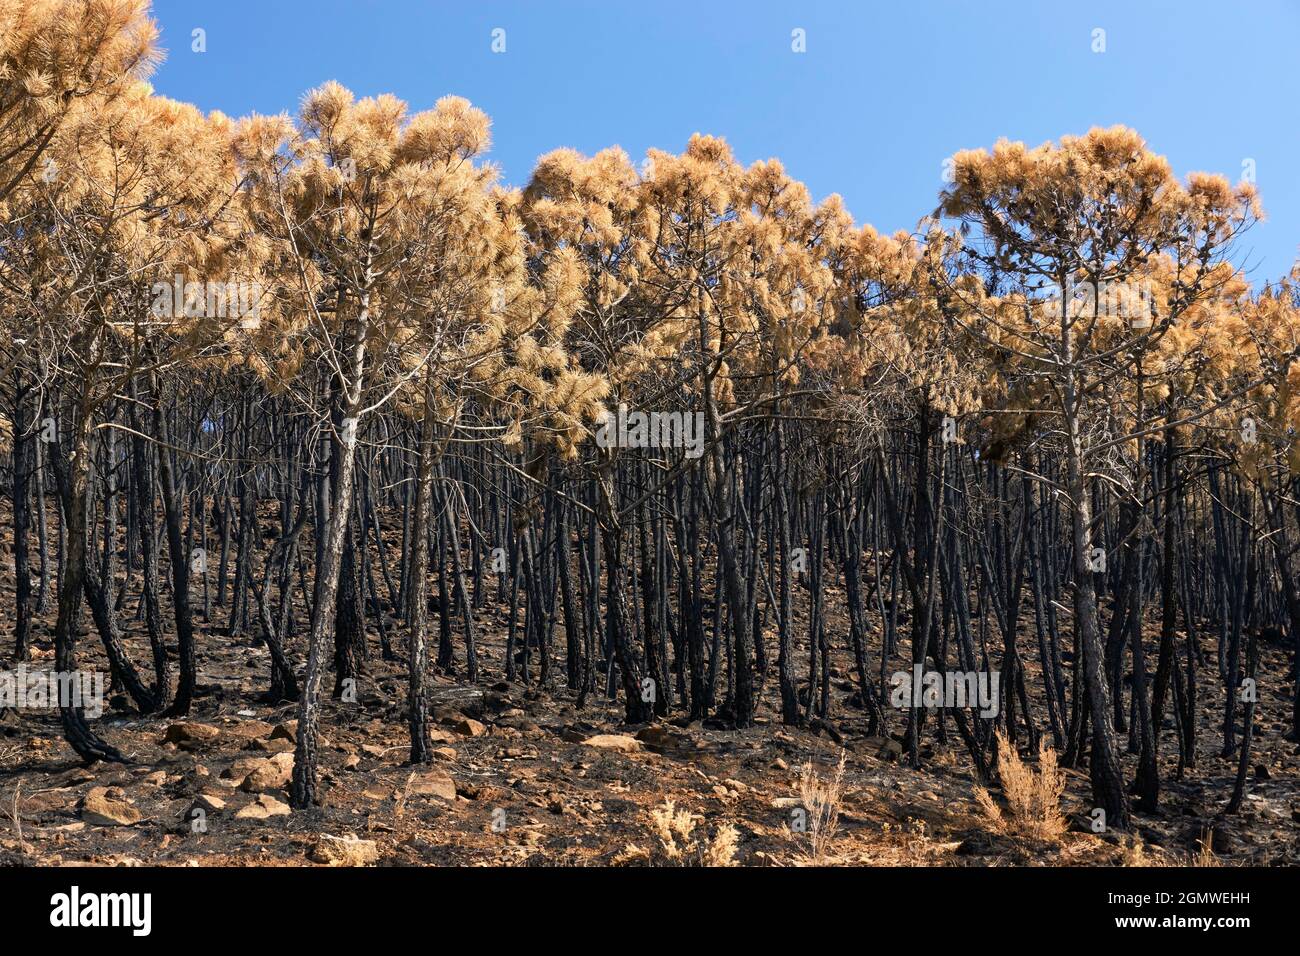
883	93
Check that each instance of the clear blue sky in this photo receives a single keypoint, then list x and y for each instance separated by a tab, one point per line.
883	93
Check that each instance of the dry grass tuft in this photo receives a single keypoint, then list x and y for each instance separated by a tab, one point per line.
1135	854
1033	798
1204	855
677	843
16	816
822	801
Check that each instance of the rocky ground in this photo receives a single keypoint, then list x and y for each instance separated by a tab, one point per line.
526	778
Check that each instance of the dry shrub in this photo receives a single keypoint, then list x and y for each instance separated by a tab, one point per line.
677	843
1135	854
822	800
1033	799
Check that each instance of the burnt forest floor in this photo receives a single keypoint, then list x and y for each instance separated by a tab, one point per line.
523	777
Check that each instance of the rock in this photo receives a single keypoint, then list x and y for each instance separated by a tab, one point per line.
1261	772
659	737
155	779
1152	836
208	802
433	783
43	801
264	807
890	750
445	753
286	731
272	745
194	817
240	769
108	807
246	729
271	774
345	851
75	776
188	735
978	844
474	792
369	697
520	723
465	726
620	742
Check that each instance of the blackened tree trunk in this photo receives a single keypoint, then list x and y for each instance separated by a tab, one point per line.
75	486
1104	768
417	698
22	515
347	402
180	566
